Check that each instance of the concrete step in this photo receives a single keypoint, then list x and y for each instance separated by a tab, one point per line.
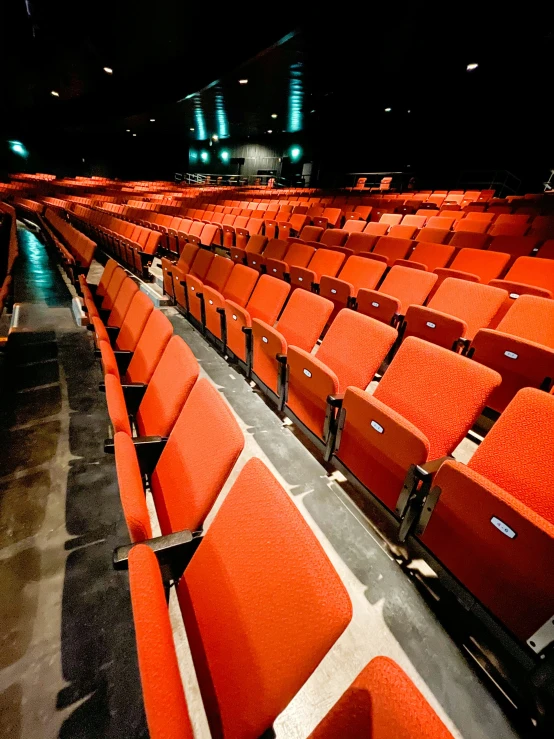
155	293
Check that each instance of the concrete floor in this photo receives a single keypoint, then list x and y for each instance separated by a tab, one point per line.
68	663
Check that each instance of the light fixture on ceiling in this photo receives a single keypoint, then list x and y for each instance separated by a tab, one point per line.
388	110
215	137
152	120
191	129
270	131
128	130
409	111
55	94
243	82
108	70
471	67
274	115
134	134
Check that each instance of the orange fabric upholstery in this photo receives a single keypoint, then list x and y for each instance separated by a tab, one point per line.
216	278
298	255
238	289
362	242
469	240
135	320
164	698
401	288
392	248
150	347
357	273
121	305
167	391
429	255
193	466
107	274
426	402
381	703
323	262
521	349
288	600
265	304
506	481
531	271
433	235
350	354
131	491
457	311
486	265
118	277
275	249
515	246
183	265
301	324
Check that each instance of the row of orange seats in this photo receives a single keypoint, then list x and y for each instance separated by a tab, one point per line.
154	397
77	250
430	395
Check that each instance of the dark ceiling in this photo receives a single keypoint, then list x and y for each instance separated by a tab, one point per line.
351	64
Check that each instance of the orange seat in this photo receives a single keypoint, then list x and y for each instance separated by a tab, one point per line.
167	391
381	703
493	524
323	262
334	237
455	313
521	348
203	459
428	256
422	408
311	233
255	245
361	242
275	249
298	255
265	304
216	278
301	324
390	248
288	600
238	288
469	240
146	355
475	265
199	267
434	235
402	287
471	226
357	273
133	325
351	352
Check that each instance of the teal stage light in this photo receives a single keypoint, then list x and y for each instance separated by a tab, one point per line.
295	153
18	148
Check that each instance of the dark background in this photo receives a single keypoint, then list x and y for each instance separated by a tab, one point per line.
347	67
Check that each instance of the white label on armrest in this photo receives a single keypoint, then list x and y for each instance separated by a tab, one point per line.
300	279
504	528
514	295
211	302
377	427
511	355
265	339
333	291
191	287
254	261
431	325
234	317
274	269
375	305
307	373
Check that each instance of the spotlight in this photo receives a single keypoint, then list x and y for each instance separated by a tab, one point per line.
274	115
215	137
243	82
225	155
471	67
55	94
128	130
152	120
191	129
295	153
18	148
270	131
388	110
204	156
108	70
134	134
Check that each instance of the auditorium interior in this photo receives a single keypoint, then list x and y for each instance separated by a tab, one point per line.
276	372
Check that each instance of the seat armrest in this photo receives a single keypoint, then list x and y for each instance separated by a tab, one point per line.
173	552
414	494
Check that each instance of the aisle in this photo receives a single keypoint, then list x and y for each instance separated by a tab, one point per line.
67	657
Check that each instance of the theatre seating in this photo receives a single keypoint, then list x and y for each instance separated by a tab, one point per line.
351	352
126	337
204	459
529	275
401	288
138	366
357	273
390	248
100	289
275	249
521	348
289	600
425	403
476	265
265	303
238	288
163	398
216	278
323	262
176	271
469	240
493	524
381	703
434	235
455	313
298	255
301	324
428	256
199	268
256	244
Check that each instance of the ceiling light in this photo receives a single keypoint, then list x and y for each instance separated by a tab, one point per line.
243	82
55	94
471	67
215	137
134	134
274	115
270	131
388	110
128	130
152	120
108	70
191	129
